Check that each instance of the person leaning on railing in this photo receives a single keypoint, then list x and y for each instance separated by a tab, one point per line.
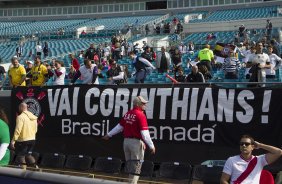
17	73
39	73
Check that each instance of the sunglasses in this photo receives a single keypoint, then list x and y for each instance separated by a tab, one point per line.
245	143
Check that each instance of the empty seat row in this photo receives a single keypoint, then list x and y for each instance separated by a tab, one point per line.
110	165
208	171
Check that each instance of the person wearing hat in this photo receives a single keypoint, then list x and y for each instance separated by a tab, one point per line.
135	132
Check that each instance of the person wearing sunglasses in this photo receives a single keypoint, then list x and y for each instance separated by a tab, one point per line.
246	168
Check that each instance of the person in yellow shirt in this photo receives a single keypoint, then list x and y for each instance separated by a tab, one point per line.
16	73
39	73
206	57
24	136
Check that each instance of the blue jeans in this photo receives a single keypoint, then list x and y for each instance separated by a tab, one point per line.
140	76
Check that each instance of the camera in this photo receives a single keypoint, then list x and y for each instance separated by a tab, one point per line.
34	78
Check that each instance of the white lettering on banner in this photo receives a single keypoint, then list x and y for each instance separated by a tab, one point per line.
150	106
265	105
64	104
193	104
74	100
94	109
207	106
247	116
164	93
84	128
122	100
110	95
133	95
193	134
225	105
182	104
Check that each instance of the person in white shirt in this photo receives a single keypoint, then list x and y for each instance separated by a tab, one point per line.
38	49
248	61
275	62
261	61
163	61
190	48
182	48
88	73
107	50
59	73
246	168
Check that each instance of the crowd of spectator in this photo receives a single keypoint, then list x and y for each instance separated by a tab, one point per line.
259	60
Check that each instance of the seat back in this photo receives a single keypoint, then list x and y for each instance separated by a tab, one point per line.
139	167
175	170
53	160
78	162
207	173
107	165
266	177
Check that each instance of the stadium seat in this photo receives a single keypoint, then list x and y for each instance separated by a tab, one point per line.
78	162
207	173
53	160
107	165
214	162
147	167
175	170
266	177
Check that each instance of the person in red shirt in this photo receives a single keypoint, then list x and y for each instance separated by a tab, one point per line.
74	62
135	132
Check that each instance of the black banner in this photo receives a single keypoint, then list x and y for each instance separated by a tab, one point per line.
187	123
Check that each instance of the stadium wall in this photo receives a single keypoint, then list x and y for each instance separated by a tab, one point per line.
141	11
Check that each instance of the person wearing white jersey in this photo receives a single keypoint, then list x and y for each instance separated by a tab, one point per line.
59	73
88	73
260	63
38	49
246	168
275	62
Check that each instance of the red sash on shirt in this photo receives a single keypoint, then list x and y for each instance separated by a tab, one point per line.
248	170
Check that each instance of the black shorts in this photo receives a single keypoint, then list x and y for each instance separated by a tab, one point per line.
24	148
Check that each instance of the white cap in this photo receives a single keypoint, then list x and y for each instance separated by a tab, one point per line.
29	61
139	100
